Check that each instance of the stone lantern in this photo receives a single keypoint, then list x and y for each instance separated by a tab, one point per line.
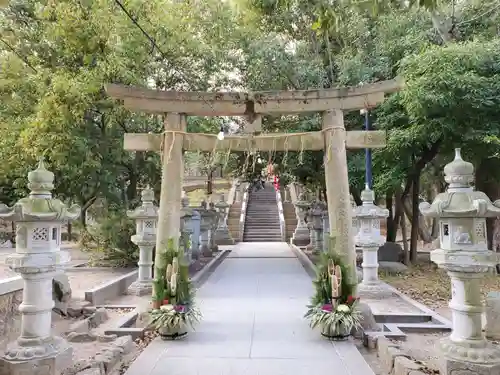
301	235
146	217
463	253
38	258
186	228
368	237
326	230
206	217
222	235
213	226
316	215
238	192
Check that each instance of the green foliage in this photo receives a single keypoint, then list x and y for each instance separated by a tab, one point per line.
322	283
109	241
338	323
174	319
172	283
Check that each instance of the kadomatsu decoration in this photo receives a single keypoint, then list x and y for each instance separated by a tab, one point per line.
333	307
174	311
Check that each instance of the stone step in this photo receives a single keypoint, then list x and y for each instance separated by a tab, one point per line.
262	240
260	230
262	224
269	237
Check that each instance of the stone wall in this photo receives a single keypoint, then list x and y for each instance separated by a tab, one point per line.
10	319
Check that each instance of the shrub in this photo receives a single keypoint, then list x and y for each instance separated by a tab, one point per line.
109	241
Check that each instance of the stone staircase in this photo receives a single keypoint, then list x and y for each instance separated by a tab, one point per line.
262	223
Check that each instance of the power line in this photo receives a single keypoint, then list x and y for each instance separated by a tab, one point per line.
23	59
144	32
153	42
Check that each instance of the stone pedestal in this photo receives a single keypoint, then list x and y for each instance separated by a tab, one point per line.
316	216
195	236
492	328
213	227
369	239
312	238
207	217
146	216
326	231
238	193
53	362
186	225
463	253
222	234
38	259
301	236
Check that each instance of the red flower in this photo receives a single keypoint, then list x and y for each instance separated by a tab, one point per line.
165	302
179	308
351	300
327	307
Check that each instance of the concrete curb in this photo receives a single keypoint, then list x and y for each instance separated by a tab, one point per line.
393	325
109	290
125	323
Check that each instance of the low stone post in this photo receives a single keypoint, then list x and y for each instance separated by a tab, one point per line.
222	235
238	192
38	259
368	238
312	237
195	235
186	229
301	235
316	216
205	224
145	216
286	194
464	254
326	231
213	226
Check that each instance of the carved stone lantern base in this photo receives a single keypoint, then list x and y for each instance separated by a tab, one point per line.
301	237
49	357
223	237
470	357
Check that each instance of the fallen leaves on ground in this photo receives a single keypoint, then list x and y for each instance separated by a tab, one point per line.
431	286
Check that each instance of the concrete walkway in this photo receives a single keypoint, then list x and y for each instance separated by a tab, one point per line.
253	307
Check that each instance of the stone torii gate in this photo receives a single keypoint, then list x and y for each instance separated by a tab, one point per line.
333	138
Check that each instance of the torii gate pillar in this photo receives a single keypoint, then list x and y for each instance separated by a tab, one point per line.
172	174
337	188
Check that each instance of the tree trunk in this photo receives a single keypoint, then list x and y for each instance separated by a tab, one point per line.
390	235
415	218
83	213
487	184
423	230
356	196
406	250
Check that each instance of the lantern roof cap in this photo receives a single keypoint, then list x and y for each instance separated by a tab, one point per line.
460	199
368	209
147	209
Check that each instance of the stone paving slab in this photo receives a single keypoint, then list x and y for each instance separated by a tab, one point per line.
253	307
261	250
